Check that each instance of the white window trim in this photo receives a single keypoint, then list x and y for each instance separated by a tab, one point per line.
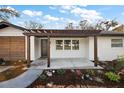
64	45
117	43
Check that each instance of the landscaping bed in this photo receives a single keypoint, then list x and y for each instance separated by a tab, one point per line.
12	72
75	79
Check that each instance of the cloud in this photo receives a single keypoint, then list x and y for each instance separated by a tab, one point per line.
70	21
67	7
52	7
20	23
10	8
90	15
122	13
32	13
62	11
51	18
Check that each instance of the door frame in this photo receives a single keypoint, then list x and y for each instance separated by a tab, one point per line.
42	48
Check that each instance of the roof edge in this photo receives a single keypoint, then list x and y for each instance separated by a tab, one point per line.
12	25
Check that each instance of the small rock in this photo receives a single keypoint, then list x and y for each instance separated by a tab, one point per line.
99	71
49	74
49	85
82	77
98	80
90	78
53	71
20	61
87	75
72	70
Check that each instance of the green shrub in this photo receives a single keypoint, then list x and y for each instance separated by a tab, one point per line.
42	77
112	76
60	71
90	72
120	63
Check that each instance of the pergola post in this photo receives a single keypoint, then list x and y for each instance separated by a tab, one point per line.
95	51
48	52
28	51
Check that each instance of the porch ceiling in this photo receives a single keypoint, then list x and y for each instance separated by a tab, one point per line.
65	63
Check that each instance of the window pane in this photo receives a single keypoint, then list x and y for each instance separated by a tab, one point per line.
75	44
116	40
67	44
59	41
116	43
59	47
59	44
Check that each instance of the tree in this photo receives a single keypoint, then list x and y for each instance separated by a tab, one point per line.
69	26
8	12
83	24
32	25
100	25
106	25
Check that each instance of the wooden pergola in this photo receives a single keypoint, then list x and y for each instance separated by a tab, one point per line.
60	33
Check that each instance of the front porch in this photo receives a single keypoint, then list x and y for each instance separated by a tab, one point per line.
67	52
64	63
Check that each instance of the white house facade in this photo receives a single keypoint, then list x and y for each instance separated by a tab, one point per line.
109	45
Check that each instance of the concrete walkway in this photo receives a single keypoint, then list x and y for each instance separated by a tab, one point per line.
23	80
65	63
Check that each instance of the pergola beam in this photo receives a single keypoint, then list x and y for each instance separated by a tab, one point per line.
48	51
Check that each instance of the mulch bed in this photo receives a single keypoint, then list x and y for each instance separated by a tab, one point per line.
71	80
12	73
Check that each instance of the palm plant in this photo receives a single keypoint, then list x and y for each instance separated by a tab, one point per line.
8	12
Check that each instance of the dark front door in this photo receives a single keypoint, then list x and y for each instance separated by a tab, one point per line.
44	47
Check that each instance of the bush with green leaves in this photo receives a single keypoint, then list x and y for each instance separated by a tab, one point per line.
61	71
112	76
42	77
120	63
90	72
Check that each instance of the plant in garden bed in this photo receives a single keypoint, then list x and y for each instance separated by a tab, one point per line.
90	72
11	73
112	76
120	63
2	61
60	71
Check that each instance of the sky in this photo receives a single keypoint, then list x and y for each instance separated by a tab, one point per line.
58	16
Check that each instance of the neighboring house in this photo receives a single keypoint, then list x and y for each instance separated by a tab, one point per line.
118	28
30	44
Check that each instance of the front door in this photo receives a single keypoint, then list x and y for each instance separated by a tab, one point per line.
44	47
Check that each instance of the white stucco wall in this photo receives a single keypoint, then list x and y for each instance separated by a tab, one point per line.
86	48
105	51
10	31
37	47
91	48
81	53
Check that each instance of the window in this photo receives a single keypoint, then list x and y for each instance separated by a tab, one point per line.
75	44
67	44
59	44
116	43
